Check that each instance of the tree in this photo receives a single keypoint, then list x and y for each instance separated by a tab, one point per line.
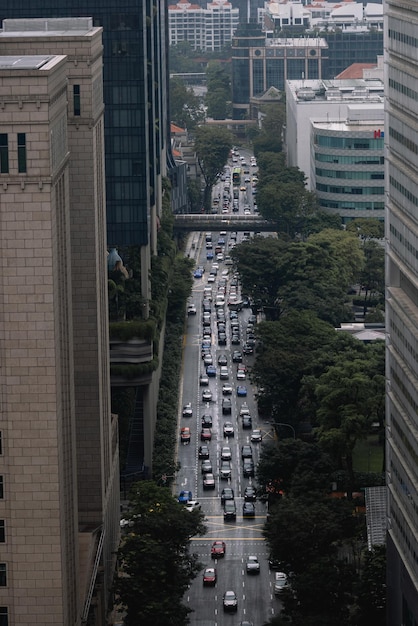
156	566
185	107
212	148
218	91
371	589
367	228
372	277
346	249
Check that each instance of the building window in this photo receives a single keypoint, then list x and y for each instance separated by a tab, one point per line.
1	487
3	575
4	616
2	531
76	100
1	442
4	154
21	152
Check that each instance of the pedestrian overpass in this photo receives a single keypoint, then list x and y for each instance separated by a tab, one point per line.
244	223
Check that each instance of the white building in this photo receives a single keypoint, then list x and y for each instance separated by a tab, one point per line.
207	29
334	134
401	222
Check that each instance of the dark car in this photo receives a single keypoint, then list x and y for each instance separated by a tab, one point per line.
247	349
207	467
250	494
227	494
230	602
252	565
222	339
211	371
225	470
248	468
236	356
226	406
247	422
205	434
230	510
222	359
235	340
246	452
206	421
248	509
185	496
203	452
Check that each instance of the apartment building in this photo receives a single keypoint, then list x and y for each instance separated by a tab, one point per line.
207	29
401	24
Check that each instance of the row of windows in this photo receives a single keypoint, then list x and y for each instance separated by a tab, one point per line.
403	38
402	339
349	160
405	242
403	390
354	206
349	143
405	536
403	190
357	191
403	89
362	175
405	141
402	487
4	153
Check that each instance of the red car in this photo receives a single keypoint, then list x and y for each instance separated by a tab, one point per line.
218	549
185	435
206	434
209	577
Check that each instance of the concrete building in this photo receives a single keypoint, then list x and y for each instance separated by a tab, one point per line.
207	29
335	135
59	461
401	24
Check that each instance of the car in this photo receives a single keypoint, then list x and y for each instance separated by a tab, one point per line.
187	410
248	509
207	395
211	278
226	406
205	434
207	420
244	410
236	356
230	510
247	349
198	273
250	494
247	422
193	505
208	359
274	564
228	429
248	468
206	467
235	339
256	435
185	496
185	435
243	188
223	373
191	309
241	375
225	470
218	549
230	602
246	452
226	389
227	494
252	566
280	583
211	371
247	179
222	339
209	577
203	452
241	391
250	342
221	241
203	380
222	359
209	481
209	255
226	453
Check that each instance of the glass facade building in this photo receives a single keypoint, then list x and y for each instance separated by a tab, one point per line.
135	95
401	61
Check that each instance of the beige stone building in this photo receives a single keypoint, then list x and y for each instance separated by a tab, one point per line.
59	466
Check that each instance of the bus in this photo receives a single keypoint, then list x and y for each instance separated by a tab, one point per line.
236	176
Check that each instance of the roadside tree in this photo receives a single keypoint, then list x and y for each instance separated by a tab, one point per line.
212	148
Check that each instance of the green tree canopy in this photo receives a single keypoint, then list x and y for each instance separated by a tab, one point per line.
367	227
346	249
156	566
185	107
212	148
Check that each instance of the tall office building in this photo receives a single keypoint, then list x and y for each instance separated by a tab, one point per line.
401	132
59	463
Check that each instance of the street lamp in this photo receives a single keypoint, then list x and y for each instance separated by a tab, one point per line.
287	426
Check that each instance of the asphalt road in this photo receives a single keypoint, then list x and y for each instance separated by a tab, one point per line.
243	537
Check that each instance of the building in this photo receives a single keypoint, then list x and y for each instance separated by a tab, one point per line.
401	23
207	29
335	135
59	460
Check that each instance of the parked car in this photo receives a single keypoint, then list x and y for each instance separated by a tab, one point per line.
209	577
230	602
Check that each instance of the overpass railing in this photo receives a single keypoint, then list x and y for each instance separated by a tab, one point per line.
199	222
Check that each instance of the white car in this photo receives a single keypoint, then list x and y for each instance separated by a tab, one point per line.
193	505
226	453
191	309
241	375
252	566
228	429
280	582
211	278
227	389
256	435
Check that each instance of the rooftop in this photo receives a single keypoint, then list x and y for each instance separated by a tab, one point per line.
39	27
